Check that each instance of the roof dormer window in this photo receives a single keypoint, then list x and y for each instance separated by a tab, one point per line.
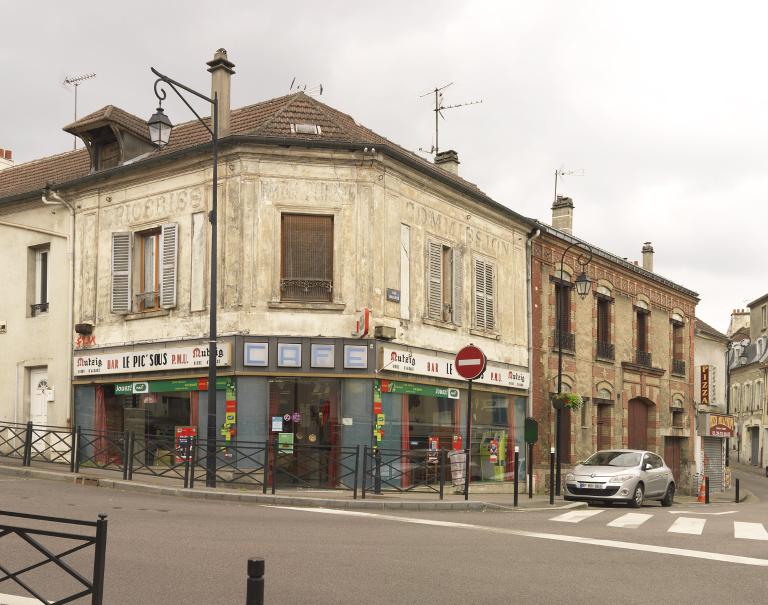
306	129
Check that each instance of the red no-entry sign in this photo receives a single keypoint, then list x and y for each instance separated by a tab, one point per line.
470	362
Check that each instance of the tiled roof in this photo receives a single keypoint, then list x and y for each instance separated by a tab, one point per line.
110	113
267	119
705	328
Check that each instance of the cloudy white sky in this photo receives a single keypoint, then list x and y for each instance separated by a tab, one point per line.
664	105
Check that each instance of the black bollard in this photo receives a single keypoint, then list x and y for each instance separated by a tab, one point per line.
706	490
530	470
517	464
552	475
255	592
737	491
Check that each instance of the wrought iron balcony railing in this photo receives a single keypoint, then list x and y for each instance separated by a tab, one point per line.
301	289
605	350
643	358
678	367
148	300
565	339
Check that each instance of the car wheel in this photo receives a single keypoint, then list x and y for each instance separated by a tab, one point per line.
637	497
669	496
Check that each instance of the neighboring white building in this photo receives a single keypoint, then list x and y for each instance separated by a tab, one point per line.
35	306
714	424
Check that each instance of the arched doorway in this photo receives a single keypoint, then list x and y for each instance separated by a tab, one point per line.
637	424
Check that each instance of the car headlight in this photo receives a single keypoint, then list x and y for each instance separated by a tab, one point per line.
570	477
620	478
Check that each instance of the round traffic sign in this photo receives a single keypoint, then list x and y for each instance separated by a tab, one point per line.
470	362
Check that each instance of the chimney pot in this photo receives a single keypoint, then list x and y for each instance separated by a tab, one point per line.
6	158
448	161
562	214
221	70
648	256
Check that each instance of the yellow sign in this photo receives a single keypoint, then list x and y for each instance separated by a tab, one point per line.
721	426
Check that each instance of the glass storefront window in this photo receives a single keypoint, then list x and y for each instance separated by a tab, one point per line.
497	427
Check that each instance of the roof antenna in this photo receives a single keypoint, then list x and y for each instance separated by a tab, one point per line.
299	87
75	81
439	108
561	172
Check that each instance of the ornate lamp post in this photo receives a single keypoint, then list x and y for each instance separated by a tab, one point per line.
160	132
583	286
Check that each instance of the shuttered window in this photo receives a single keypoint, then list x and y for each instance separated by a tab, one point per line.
563	306
485	284
435	281
603	320
169	251
445	283
306	257
121	273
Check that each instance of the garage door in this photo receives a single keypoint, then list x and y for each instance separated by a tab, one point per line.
713	462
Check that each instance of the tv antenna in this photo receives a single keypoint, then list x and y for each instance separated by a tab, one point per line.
298	87
76	81
561	172
439	108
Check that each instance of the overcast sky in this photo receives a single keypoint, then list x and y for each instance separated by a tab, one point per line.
664	105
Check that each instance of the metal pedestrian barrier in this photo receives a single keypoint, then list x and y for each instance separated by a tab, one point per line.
398	471
85	584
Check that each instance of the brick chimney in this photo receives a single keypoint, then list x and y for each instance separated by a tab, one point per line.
562	214
648	257
6	158
448	161
221	72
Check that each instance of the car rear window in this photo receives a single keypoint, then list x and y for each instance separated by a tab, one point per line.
613	459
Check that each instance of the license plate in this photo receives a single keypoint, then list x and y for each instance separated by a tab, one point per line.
591	485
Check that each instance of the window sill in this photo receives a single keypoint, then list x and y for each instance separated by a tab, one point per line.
306	306
485	334
438	324
608	360
147	314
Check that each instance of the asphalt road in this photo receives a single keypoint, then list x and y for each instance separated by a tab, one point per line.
171	550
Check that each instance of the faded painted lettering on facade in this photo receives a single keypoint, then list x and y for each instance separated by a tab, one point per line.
155	207
276	190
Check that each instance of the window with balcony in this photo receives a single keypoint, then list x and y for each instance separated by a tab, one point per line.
38	276
563	336
678	360
642	321
605	348
306	263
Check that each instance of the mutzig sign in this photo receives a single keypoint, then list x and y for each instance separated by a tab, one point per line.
442	366
154	360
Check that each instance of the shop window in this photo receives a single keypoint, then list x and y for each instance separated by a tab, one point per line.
38	277
153	278
485	285
444	283
306	263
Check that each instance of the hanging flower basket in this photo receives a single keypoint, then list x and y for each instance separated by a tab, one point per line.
567	400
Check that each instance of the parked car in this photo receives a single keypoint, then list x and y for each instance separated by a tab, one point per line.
629	476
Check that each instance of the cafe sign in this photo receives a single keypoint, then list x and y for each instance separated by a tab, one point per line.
720	425
151	360
441	365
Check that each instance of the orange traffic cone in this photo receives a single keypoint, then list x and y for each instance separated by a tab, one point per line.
701	497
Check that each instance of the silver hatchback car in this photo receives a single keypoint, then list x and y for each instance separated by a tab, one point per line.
629	476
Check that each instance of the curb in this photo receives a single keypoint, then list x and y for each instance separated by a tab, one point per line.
276	500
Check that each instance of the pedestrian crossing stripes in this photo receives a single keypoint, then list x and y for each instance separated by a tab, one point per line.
693	526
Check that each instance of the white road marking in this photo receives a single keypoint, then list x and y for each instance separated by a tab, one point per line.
749	531
630	520
576	516
696	512
687	525
666	550
9	599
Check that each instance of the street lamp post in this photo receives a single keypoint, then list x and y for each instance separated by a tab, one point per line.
160	131
583	285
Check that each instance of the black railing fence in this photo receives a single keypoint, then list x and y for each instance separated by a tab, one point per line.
265	465
67	574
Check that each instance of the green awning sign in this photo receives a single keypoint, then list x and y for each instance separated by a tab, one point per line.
172	386
408	388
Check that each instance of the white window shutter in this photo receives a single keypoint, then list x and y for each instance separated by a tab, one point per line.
458	286
121	273
490	283
479	294
435	281
169	251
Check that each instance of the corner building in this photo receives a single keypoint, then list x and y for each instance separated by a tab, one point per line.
350	272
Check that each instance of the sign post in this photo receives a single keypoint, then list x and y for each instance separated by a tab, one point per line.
470	364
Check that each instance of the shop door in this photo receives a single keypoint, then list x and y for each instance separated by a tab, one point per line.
603	427
38	384
713	462
672	449
754	436
637	438
307	443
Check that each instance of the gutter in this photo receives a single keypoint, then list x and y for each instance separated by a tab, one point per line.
57	200
528	282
